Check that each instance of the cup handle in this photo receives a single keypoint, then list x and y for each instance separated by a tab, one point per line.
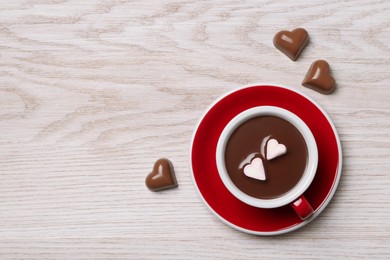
302	208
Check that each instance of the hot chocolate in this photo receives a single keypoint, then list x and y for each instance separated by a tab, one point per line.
266	157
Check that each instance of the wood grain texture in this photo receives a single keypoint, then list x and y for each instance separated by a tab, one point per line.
93	92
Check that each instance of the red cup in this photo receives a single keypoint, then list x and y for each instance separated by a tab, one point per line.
294	197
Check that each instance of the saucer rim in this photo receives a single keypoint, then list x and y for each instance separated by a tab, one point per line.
331	192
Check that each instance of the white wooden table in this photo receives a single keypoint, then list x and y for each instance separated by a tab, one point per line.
93	92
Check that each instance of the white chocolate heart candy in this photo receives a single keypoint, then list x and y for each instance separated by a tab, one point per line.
255	169
275	149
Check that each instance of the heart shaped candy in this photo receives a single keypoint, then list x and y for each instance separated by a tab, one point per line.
162	177
255	169
275	149
291	43
318	78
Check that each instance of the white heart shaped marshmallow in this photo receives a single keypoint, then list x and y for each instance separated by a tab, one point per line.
255	169
275	149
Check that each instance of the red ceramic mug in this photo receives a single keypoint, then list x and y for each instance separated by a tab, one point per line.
293	197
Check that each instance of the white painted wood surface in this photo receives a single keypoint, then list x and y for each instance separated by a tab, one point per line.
93	92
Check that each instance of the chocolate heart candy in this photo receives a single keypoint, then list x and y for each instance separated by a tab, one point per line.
318	78
162	177
291	43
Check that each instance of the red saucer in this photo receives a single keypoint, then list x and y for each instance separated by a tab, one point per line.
221	202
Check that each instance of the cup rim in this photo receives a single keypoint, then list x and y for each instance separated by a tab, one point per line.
310	169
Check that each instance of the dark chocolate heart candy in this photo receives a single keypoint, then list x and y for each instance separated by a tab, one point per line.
319	78
291	43
162	177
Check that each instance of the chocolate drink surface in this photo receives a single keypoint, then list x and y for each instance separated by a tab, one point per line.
250	140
